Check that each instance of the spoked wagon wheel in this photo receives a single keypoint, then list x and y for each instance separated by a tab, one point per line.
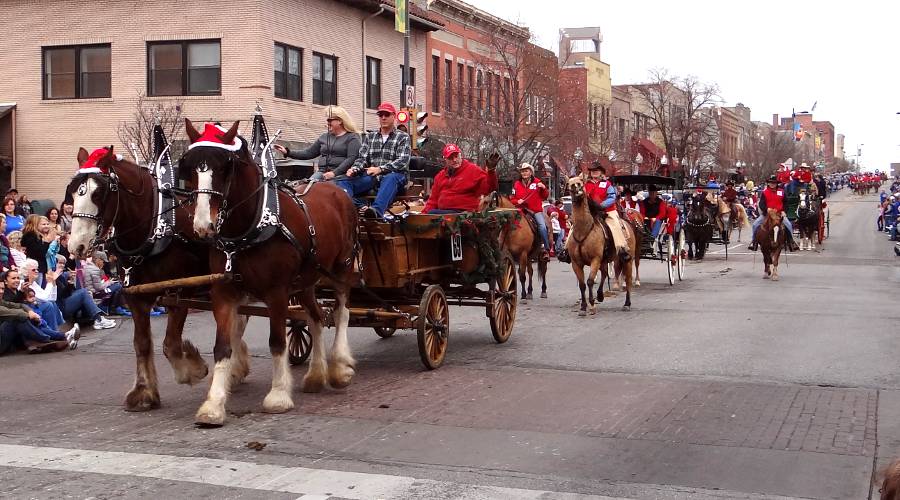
671	260
299	342
503	312
682	253
433	326
384	331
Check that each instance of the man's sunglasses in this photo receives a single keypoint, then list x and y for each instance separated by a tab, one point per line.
384	115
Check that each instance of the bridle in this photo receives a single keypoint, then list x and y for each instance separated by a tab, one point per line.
112	186
233	161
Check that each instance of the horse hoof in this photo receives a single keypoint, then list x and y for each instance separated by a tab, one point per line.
543	295
626	308
141	398
637	283
593	310
765	276
277	401
774	278
340	374
582	313
210	416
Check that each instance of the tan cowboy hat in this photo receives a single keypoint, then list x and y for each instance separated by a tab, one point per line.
526	166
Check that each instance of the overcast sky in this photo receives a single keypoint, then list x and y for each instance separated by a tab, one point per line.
770	55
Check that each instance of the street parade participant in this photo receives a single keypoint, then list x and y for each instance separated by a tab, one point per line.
461	184
772	197
783	175
602	191
383	161
801	178
729	194
336	149
529	193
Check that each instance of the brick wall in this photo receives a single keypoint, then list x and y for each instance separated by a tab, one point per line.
50	132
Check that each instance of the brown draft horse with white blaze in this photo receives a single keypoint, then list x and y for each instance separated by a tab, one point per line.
588	246
229	188
523	243
771	238
126	204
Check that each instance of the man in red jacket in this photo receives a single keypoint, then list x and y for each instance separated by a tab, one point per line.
529	193
461	184
772	197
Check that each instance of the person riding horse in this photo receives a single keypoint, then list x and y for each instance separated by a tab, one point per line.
461	184
772	197
529	193
602	191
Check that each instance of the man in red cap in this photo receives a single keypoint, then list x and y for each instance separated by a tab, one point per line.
461	184
383	161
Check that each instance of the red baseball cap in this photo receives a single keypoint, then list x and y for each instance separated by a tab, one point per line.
388	107
450	149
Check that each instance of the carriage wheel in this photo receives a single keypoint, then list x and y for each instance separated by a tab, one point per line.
671	260
506	298
433	325
384	331
299	342
681	255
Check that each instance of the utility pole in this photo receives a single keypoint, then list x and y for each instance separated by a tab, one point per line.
405	55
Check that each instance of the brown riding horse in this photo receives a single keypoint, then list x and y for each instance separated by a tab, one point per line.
588	246
771	237
126	204
523	243
229	188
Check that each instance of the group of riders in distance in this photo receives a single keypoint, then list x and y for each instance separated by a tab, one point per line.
267	246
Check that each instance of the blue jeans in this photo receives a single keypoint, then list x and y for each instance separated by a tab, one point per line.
758	222
49	312
80	302
27	330
656	227
542	228
388	188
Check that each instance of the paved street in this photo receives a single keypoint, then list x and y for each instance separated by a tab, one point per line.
723	386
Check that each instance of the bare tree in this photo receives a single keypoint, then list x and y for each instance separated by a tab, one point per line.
766	150
136	134
677	109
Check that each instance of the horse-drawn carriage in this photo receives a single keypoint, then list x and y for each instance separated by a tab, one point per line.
709	219
668	246
808	214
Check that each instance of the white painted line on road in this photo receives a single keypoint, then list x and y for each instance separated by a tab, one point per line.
311	484
729	248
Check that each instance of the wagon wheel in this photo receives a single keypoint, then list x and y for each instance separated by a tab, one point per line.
671	260
384	331
503	313
433	325
681	255
299	342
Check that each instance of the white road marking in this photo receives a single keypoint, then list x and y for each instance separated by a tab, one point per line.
310	484
729	248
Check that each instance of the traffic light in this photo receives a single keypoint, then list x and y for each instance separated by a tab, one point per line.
419	130
403	116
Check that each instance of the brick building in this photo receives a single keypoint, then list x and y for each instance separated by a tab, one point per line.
74	70
818	134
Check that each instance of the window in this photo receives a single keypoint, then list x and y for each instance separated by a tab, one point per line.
507	99
489	104
373	82
324	79
288	64
460	97
479	104
498	91
435	84
77	72
528	110
448	84
471	89
185	68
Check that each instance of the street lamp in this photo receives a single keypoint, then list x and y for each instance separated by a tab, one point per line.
664	165
637	164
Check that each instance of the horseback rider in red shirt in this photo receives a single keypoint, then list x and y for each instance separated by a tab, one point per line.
772	197
602	191
529	193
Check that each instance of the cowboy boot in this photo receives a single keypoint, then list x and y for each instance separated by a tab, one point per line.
753	246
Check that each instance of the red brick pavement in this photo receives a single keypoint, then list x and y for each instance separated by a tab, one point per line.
679	410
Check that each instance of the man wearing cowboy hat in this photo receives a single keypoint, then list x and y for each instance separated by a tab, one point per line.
772	197
529	193
801	178
461	184
600	189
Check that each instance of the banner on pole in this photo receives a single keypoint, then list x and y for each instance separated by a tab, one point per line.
400	14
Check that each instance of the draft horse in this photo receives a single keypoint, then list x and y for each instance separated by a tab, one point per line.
698	226
808	219
771	237
230	187
119	198
524	244
589	245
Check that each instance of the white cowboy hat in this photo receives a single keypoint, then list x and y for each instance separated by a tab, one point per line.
639	197
526	166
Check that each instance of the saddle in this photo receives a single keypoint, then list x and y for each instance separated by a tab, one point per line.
532	223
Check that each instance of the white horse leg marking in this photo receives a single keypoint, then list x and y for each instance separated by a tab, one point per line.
340	360
83	229
278	400
212	411
314	380
203	224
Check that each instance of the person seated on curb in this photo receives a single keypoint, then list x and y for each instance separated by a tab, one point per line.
16	283
383	161
21	326
772	197
529	193
79	304
99	286
461	184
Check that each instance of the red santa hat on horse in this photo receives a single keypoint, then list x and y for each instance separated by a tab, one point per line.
214	136
96	162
